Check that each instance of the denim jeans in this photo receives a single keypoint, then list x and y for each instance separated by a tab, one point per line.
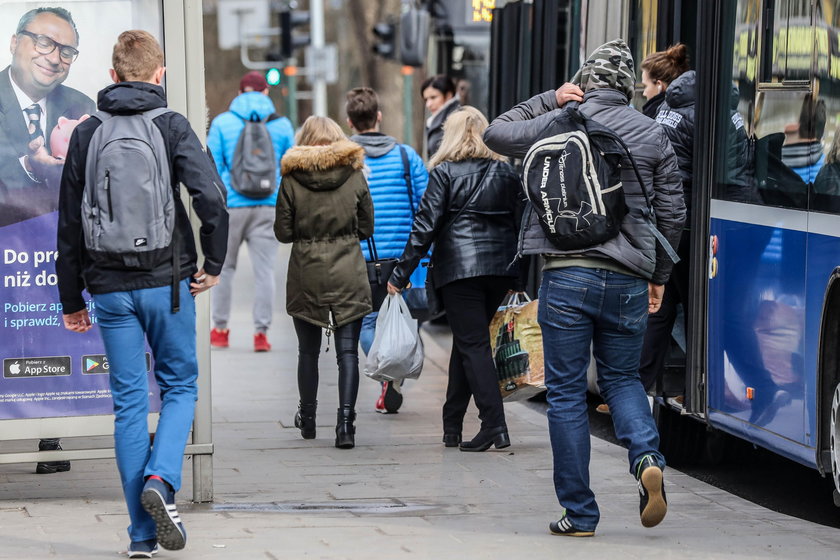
580	307
126	321
368	331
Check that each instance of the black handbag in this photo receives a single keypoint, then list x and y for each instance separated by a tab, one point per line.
379	272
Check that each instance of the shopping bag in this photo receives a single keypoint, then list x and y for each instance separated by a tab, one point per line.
516	343
396	352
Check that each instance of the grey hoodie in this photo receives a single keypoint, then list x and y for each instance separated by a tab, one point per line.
375	145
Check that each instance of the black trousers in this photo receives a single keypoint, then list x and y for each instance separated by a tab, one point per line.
470	304
347	356
660	324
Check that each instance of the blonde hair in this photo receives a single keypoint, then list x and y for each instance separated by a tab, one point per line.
318	131
462	134
137	56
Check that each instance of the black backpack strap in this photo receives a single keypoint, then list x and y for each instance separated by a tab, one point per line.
407	177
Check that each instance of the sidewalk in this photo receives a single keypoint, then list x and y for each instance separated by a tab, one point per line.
398	494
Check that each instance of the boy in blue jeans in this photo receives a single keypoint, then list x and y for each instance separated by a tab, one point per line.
154	304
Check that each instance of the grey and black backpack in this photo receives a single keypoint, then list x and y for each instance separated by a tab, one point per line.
128	205
253	172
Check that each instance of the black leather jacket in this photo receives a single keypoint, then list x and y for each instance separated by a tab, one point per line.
482	240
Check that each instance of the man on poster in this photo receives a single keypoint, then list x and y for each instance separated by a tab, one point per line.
32	100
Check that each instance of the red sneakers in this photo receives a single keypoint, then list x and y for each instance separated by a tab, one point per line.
261	342
391	399
219	338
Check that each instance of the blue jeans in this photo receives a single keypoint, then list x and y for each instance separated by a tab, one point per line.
580	307
126	320
368	331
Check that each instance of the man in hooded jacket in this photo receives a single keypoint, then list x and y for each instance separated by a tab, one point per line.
600	296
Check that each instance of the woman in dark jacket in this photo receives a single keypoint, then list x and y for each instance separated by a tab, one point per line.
324	209
659	69
470	212
439	96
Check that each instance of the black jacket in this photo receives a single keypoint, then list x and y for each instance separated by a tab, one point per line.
676	115
482	240
515	131
434	127
191	167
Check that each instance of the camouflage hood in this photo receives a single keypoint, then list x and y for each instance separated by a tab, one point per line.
609	66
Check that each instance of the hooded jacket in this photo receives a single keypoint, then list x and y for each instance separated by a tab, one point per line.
385	174
676	115
606	82
224	135
324	209
190	166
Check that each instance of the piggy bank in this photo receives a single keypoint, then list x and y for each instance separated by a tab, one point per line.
60	135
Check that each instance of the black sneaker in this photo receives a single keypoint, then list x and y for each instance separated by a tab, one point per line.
158	500
652	502
142	549
51	466
565	528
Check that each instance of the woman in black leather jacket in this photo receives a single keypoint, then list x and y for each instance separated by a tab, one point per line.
471	212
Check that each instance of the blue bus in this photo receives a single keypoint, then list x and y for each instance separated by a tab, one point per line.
758	356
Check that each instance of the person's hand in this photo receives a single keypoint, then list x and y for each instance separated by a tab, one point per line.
568	92
77	322
39	160
655	293
393	290
202	282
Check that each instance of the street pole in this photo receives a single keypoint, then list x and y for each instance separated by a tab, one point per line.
291	84
408	109
319	83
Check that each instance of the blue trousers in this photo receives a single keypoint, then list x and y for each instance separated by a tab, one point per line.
580	307
126	320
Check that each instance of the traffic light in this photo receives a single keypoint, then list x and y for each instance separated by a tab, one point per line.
273	76
414	37
386	39
289	40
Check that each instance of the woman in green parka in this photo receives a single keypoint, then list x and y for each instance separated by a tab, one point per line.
324	208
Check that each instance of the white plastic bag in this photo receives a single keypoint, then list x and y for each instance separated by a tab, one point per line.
396	352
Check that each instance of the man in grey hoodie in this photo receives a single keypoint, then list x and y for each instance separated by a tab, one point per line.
397	180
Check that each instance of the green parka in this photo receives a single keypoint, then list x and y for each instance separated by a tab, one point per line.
324	208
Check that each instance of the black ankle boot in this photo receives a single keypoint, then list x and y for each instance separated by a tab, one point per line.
451	439
305	420
485	438
345	431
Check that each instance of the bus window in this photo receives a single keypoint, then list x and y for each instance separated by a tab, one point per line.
825	191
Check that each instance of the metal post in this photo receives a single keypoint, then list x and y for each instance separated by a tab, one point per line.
408	109
316	29
291	85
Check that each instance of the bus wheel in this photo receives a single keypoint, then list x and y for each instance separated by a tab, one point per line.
834	443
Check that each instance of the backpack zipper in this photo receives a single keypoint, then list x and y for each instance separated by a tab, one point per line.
108	194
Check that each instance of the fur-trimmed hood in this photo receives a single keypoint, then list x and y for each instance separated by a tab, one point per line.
323	167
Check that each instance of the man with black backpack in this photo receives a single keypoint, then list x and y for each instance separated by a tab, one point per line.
124	234
397	180
247	143
606	208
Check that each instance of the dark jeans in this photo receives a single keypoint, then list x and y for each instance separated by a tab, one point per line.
658	335
470	304
347	356
607	311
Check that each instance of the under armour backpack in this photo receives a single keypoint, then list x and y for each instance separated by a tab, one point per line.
572	177
128	207
254	169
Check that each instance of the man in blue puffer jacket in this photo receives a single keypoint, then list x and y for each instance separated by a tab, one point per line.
251	219
389	167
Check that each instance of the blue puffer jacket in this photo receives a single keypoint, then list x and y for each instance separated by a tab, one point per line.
224	134
386	180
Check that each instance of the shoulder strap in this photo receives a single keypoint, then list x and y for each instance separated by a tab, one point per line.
469	200
407	177
102	116
155	113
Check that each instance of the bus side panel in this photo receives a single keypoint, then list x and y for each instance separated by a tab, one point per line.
756	325
823	258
